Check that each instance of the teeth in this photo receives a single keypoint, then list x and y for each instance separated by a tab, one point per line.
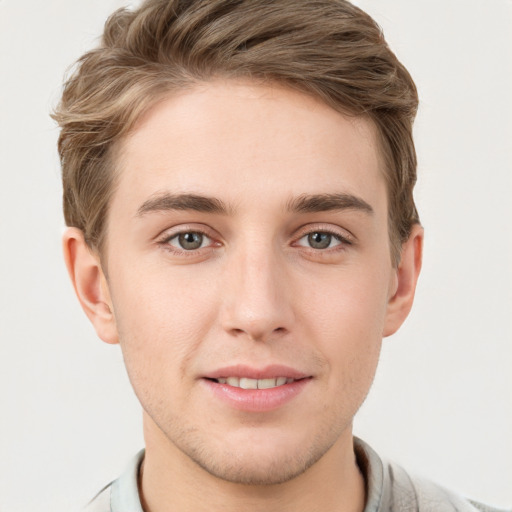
245	383
248	383
269	383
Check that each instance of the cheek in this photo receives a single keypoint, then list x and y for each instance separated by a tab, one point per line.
346	317
350	303
161	319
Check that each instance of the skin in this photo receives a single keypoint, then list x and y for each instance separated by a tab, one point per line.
256	292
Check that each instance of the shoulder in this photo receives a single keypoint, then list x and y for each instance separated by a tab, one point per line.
121	495
392	489
426	496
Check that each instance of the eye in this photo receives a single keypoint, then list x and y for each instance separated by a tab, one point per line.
189	240
320	240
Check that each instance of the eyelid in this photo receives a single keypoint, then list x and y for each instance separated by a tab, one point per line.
173	231
338	241
170	233
342	234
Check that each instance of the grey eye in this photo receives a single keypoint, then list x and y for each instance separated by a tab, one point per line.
189	241
319	240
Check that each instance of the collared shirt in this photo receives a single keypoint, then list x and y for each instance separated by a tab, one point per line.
389	488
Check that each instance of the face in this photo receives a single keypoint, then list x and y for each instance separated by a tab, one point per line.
249	275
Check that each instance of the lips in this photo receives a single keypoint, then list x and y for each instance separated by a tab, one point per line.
256	390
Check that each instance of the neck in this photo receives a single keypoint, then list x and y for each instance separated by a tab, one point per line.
170	480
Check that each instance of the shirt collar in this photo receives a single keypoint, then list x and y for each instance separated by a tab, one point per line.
125	490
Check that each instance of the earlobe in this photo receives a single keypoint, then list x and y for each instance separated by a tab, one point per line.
90	284
407	273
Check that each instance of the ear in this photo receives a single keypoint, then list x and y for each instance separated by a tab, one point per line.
90	284
406	277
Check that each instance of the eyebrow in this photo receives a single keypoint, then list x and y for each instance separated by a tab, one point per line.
171	202
328	202
302	204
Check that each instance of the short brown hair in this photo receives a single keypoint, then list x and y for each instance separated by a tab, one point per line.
326	48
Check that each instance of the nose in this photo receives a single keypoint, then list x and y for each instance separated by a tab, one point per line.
257	296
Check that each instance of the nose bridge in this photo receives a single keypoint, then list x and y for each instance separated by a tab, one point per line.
256	301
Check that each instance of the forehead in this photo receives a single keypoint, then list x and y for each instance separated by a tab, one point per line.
244	142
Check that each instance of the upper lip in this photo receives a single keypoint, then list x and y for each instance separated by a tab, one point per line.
268	372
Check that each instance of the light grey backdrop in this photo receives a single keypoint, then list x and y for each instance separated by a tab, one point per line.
442	401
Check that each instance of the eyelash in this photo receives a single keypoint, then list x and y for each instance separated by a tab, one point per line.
343	240
164	242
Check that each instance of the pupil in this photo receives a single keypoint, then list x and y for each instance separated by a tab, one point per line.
319	240
191	241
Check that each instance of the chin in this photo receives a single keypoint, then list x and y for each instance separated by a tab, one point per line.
256	470
254	460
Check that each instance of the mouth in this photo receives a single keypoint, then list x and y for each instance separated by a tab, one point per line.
257	390
248	383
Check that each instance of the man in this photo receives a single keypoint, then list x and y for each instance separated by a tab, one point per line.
238	182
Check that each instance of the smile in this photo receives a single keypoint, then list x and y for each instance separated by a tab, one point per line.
247	383
256	395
